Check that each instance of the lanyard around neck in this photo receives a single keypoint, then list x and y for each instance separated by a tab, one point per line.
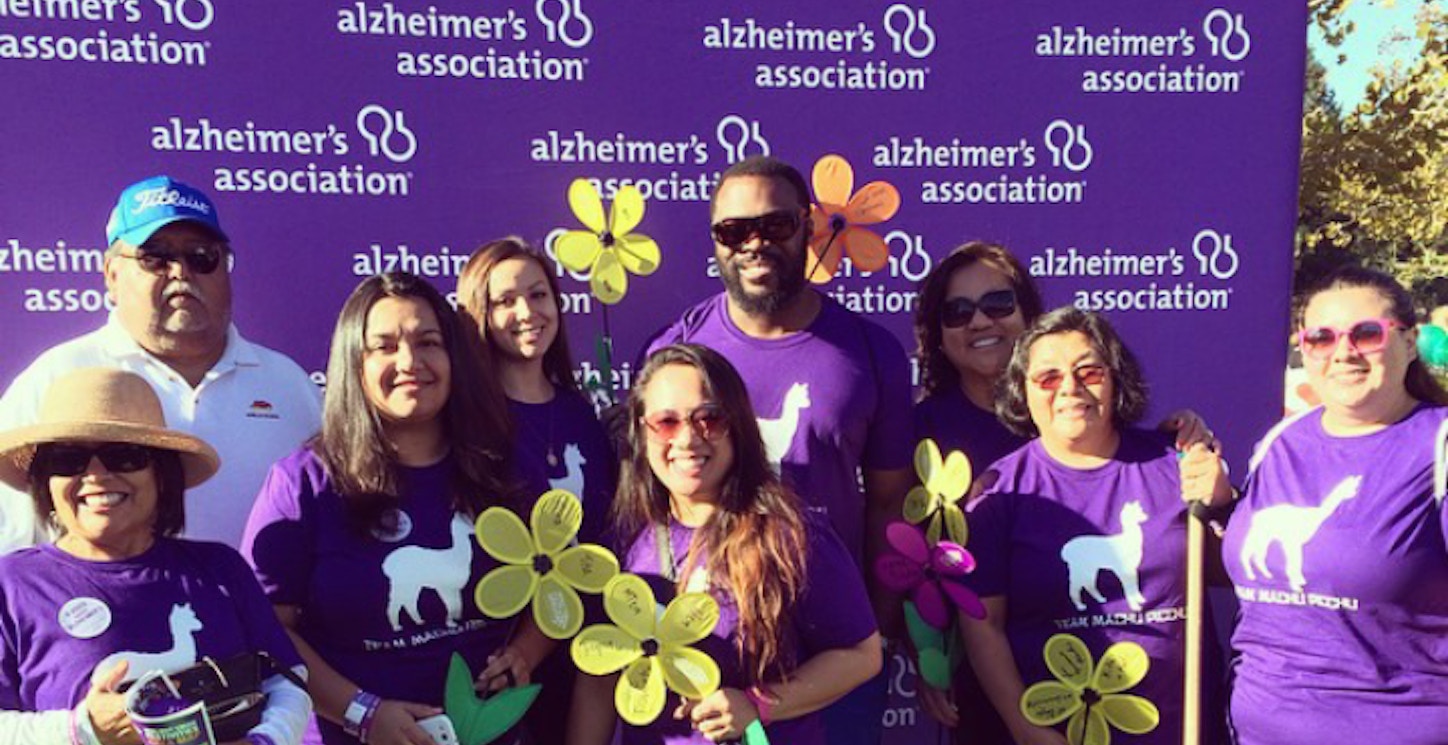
665	546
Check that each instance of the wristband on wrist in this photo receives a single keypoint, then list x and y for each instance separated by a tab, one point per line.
763	704
357	718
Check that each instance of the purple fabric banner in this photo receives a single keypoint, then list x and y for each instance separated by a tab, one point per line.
1140	156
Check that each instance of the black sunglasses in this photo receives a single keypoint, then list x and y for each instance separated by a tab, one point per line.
773	227
200	258
959	310
73	460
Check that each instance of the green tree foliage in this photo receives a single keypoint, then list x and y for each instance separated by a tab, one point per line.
1374	180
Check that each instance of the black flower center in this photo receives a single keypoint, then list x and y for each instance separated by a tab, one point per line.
542	564
1090	697
606	238
650	647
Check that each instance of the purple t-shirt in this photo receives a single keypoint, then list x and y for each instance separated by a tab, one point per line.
1337	554
179	601
564	444
386	610
832	613
830	400
955	423
949	418
1097	553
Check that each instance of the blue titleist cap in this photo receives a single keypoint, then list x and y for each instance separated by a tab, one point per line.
149	205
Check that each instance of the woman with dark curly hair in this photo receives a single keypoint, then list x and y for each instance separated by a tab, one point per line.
973	307
1084	529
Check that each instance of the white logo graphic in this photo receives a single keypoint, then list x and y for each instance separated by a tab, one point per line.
199	16
1215	253
914	262
558	30
1291	527
396	525
573	481
412	569
1120	554
380	143
84	618
905	38
1061	151
184	625
779	433
735	148
1232	25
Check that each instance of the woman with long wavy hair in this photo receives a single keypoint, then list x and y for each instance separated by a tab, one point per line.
508	297
700	509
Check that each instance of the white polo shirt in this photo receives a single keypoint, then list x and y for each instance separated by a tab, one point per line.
254	406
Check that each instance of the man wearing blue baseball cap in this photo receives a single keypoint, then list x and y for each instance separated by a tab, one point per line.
168	273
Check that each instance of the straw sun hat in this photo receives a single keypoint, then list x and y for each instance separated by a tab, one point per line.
101	405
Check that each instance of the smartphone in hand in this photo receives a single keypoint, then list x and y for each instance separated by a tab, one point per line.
440	729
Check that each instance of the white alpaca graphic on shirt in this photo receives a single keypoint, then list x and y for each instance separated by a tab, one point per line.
1120	554
572	482
412	569
1290	526
778	433
184	624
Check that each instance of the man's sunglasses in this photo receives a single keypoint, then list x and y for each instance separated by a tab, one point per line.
959	310
199	258
73	460
1051	380
771	228
1363	337
709	422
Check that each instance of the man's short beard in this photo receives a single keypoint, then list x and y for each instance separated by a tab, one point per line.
791	283
768	303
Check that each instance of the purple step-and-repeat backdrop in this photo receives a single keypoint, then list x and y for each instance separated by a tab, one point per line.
1140	155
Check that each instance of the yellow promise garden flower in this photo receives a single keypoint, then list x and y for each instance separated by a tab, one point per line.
608	251
1091	697
943	481
540	565
652	650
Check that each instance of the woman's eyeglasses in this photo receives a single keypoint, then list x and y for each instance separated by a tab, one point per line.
959	310
709	422
199	258
1363	337
772	228
73	460
1051	380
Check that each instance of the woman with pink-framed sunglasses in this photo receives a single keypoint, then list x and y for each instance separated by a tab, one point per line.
1337	549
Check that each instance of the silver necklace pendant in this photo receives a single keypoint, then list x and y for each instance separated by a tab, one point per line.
552	459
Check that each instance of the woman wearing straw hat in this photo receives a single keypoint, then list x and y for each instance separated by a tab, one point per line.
117	595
